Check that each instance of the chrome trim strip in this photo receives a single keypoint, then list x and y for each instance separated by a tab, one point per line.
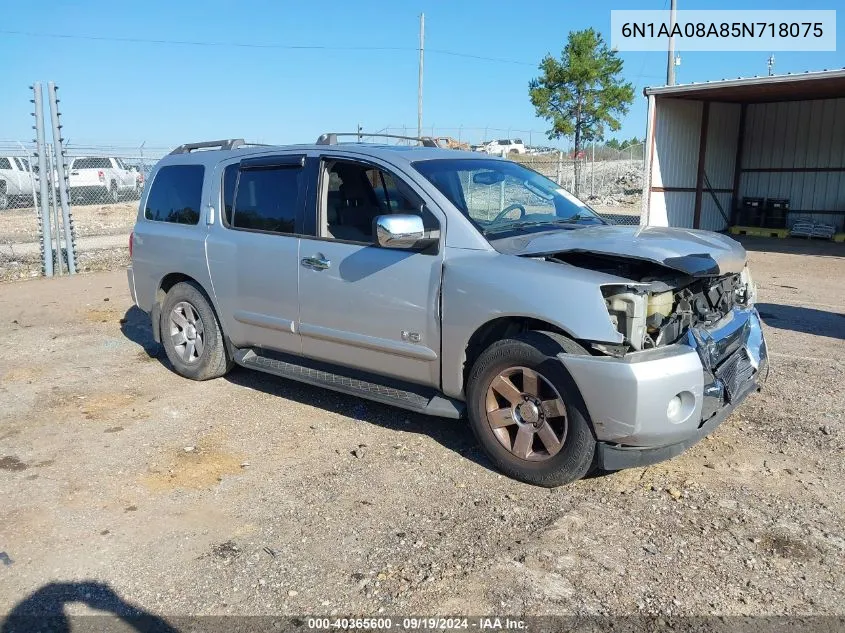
262	320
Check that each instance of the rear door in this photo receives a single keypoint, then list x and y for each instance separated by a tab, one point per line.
253	251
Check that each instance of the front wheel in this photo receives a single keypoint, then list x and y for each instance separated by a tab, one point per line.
191	335
527	412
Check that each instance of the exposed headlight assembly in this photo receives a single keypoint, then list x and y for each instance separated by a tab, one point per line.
627	309
747	292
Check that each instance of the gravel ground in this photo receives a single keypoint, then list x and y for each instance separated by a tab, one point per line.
253	495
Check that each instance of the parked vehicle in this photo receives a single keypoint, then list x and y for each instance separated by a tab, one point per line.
453	284
503	147
102	178
448	142
16	182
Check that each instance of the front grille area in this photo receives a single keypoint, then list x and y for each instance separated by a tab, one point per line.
735	372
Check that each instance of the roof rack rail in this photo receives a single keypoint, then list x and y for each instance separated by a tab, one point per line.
330	138
230	143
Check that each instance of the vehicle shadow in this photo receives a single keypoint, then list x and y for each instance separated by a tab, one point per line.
454	435
800	319
135	325
791	246
44	610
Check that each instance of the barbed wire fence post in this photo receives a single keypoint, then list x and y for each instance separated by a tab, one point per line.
62	181
43	177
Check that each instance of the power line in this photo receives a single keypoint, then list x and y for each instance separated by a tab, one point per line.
293	47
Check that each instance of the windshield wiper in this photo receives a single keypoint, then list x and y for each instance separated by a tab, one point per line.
574	219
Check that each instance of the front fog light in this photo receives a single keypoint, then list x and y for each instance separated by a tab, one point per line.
680	407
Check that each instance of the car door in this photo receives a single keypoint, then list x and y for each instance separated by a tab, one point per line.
253	251
362	305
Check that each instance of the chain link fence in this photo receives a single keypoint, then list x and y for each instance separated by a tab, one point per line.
104	185
611	183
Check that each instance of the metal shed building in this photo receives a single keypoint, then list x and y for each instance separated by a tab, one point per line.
709	145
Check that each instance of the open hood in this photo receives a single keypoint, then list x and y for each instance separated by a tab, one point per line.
692	252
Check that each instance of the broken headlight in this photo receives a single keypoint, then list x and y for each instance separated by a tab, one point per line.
746	294
626	307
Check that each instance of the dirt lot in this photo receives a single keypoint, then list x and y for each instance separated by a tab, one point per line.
252	495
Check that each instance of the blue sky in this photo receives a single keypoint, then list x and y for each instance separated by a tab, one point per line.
165	94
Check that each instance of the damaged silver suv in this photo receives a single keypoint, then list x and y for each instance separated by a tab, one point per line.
453	284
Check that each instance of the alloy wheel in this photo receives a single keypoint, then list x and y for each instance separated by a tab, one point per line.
187	333
526	414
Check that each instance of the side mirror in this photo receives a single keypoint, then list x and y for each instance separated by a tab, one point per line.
400	231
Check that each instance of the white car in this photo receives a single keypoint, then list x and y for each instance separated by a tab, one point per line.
95	178
16	181
503	147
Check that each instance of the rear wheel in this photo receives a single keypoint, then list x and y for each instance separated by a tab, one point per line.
527	412
4	201
191	334
113	194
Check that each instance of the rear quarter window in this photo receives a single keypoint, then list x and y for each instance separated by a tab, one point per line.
176	194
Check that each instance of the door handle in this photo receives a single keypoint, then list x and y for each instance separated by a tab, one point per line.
318	262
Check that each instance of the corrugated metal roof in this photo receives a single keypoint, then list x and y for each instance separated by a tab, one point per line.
824	84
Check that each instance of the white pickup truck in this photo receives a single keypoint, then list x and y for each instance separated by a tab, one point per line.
16	181
102	178
503	147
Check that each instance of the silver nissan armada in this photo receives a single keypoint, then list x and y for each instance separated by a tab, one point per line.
449	283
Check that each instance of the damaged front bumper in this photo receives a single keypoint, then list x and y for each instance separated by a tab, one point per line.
652	405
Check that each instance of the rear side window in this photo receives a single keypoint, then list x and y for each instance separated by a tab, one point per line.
176	194
230	180
266	199
91	163
5	164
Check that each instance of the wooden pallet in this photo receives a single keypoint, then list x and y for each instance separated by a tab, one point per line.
759	231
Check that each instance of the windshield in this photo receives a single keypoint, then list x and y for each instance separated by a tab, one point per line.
502	197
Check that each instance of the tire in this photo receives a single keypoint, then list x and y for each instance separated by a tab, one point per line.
113	195
4	201
531	353
212	361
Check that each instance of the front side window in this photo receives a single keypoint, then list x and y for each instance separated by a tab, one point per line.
266	199
25	164
5	163
176	194
356	193
503	197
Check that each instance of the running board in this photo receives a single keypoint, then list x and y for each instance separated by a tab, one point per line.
363	384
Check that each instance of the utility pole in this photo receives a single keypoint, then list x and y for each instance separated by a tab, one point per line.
670	60
420	83
771	64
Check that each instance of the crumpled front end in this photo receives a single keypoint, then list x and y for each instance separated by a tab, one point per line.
651	405
734	358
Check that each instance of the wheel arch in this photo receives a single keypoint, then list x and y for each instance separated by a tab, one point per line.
503	327
163	287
